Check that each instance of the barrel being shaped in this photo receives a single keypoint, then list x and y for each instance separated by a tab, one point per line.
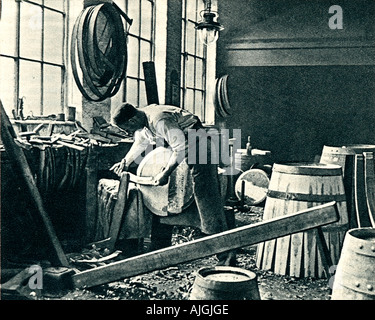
294	187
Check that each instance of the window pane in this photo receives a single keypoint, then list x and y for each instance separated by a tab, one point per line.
31	31
145	54
199	78
191	12
53	36
142	94
52	90
190	38
132	91
30	86
121	4
189	100
183	49
189	71
133	8
199	105
200	47
56	4
133	59
8	28
7	84
146	14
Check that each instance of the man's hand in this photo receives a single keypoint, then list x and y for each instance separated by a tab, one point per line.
119	167
161	179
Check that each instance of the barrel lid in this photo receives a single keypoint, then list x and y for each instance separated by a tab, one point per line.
305	168
256	186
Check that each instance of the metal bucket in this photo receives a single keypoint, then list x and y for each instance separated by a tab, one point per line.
225	283
355	273
294	187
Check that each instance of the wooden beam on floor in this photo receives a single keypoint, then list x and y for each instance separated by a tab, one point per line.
229	240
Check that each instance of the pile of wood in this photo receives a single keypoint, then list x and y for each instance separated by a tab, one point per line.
78	140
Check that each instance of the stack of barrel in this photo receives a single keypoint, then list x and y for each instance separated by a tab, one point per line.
345	175
358	166
354	275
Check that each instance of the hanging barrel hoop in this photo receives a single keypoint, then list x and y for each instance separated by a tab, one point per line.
99	51
356	167
354	277
225	283
294	187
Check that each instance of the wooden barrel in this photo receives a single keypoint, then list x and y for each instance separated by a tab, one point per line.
225	283
294	187
173	197
353	162
354	277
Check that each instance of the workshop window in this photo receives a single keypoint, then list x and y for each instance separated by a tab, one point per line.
32	55
140	47
193	61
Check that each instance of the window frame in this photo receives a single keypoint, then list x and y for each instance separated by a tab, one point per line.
42	63
139	78
185	55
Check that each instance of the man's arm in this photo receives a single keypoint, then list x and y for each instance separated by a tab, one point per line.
139	145
175	137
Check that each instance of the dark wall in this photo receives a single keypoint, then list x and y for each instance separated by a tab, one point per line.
295	110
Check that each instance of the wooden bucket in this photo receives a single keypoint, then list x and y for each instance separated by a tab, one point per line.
294	187
352	160
225	283
354	277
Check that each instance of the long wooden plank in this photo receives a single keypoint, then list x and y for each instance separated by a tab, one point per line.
210	245
16	153
370	185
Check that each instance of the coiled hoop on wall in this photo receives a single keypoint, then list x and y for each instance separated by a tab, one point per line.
99	51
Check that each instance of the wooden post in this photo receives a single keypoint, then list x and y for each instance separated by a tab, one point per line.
150	81
210	245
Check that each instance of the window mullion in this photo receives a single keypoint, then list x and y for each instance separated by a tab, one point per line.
17	60
42	65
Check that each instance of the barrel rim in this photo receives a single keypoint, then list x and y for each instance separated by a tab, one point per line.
360	233
308	168
348	149
358	244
